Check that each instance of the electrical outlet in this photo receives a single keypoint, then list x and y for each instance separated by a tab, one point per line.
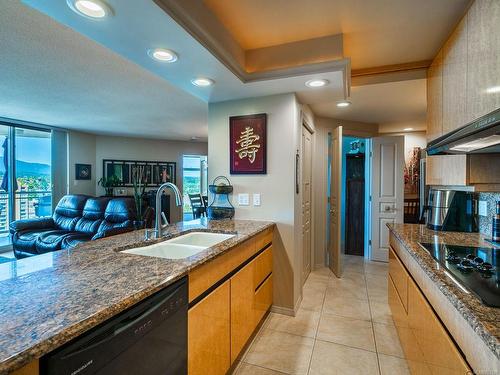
483	208
243	199
256	199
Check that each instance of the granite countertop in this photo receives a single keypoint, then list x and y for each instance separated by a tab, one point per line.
484	320
49	299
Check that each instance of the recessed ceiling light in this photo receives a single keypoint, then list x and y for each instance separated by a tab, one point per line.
343	103
317	83
202	82
407	129
493	90
95	9
163	55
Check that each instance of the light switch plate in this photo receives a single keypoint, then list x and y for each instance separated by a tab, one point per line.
256	199
243	199
483	208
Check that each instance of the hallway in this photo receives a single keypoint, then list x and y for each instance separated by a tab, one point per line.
343	326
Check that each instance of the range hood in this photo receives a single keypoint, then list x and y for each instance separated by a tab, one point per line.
481	136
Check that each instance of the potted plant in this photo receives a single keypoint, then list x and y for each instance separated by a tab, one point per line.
139	187
108	184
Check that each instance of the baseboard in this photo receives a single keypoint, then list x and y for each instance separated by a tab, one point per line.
286	310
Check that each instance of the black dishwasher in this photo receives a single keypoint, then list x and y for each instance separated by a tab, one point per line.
148	338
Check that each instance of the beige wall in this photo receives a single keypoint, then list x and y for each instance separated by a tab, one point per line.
276	187
81	147
92	149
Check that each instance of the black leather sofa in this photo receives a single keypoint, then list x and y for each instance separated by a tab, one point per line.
76	219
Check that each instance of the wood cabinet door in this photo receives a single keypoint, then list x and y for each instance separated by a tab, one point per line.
439	351
263	299
209	331
435	99
242	308
399	277
455	79
483	67
446	170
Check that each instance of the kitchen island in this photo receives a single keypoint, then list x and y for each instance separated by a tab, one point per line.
50	299
442	326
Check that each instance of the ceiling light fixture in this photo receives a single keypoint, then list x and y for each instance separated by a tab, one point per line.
163	55
95	9
314	83
202	82
407	129
343	103
493	90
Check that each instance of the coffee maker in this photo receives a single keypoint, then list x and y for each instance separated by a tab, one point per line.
452	210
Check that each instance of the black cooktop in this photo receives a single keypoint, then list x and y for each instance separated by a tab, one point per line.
477	269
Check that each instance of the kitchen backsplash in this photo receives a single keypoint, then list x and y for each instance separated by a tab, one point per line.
485	221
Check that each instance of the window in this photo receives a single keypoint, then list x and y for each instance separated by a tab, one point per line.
26	155
194	180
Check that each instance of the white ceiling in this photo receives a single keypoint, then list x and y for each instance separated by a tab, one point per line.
138	25
392	102
52	75
376	32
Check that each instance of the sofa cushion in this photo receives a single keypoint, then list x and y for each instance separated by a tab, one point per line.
25	240
120	213
68	211
92	215
73	239
50	241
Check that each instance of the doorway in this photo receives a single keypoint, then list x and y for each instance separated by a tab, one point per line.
353	194
194	183
368	173
306	182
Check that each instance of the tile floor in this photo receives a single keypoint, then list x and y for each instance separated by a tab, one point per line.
343	326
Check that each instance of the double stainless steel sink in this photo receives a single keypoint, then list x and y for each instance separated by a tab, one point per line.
181	247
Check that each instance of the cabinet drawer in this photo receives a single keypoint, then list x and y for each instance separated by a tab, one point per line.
262	239
399	277
263	299
437	347
206	275
263	266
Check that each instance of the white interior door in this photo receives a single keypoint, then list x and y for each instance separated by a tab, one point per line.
387	191
306	202
335	203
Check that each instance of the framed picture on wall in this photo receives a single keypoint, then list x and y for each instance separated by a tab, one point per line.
154	173
247	144
83	172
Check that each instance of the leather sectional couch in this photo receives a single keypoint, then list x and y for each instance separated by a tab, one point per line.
76	219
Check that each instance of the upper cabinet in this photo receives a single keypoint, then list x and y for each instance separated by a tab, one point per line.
455	79
461	79
435	98
483	58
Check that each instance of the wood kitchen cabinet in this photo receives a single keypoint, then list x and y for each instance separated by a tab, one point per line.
439	351
446	170
222	321
251	298
435	98
209	333
454	63
427	346
242	309
483	58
